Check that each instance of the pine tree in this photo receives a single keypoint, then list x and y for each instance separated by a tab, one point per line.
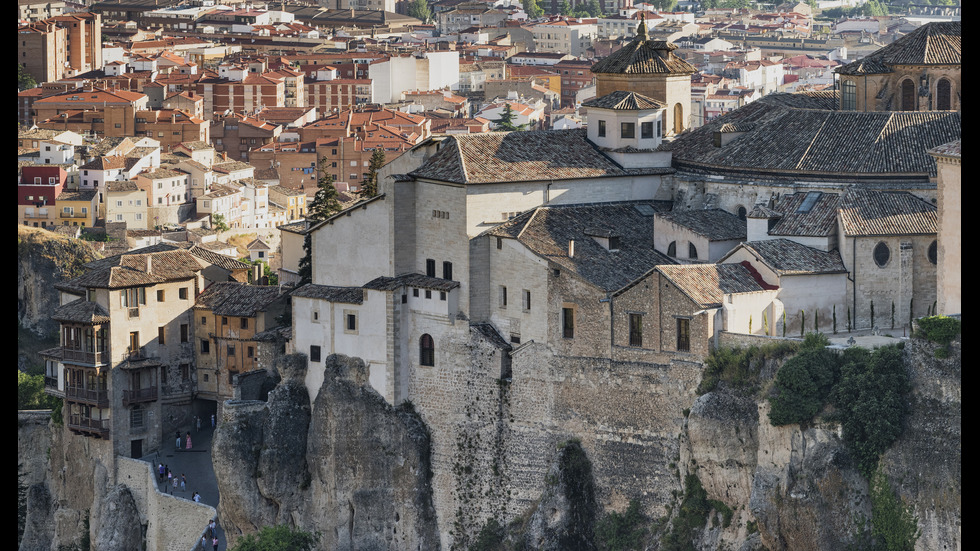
506	120
325	203
532	9
419	9
371	176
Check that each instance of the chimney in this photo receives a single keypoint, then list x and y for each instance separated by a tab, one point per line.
149	263
256	274
571	248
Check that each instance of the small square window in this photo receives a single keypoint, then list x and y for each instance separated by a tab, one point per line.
314	353
182	293
428	293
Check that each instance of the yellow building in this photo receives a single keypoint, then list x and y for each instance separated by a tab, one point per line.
77	208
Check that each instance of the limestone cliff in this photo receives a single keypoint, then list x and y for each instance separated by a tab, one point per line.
356	470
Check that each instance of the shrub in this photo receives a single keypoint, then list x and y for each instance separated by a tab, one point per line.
739	367
622	532
490	538
690	519
893	524
870	401
938	329
803	384
278	538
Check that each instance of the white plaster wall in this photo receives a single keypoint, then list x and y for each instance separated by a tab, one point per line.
355	248
815	294
758	306
614	119
443	239
443	70
517	268
718	249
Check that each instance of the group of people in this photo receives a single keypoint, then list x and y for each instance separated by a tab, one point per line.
187	438
210	535
170	480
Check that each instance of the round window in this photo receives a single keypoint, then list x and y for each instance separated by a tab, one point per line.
932	252
881	254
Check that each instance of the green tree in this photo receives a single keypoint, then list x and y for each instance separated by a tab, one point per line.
594	8
325	203
532	9
804	383
564	7
371	176
218	222
506	120
30	392
24	79
893	523
419	9
622	532
278	538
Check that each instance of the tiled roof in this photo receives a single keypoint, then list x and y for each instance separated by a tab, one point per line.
847	144
77	195
81	311
385	283
865	213
129	269
715	224
620	100
121	185
818	221
807	99
707	284
217	259
347	295
496	157
951	149
547	231
237	299
489	332
787	257
644	56
935	43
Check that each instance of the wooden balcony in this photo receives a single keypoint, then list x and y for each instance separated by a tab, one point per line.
81	356
84	425
130	397
99	398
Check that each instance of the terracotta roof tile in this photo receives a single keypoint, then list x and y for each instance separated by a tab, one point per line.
865	213
707	284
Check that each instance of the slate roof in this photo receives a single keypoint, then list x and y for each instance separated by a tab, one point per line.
787	257
385	283
841	144
707	284
715	224
937	43
820	221
644	56
489	332
624	101
951	149
237	299
867	213
498	157
81	311
347	295
547	230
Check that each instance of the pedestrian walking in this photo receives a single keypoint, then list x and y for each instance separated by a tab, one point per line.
174	486
160	476
197	497
178	440
183	482
204	543
214	541
212	420
198	424
211	526
188	440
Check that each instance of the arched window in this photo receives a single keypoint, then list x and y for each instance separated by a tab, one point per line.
692	251
881	254
678	118
908	95
848	95
740	212
944	99
672	249
427	351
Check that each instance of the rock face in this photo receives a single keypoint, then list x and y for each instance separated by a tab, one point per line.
121	527
38	527
356	471
565	517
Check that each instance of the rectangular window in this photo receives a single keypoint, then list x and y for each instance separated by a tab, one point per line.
627	130
244	323
182	293
351	322
314	353
602	129
231	350
183	332
250	352
160	336
205	346
204	320
224	320
428	293
636	330
568	323
525	300
160	295
646	130
447	270
430	267
500	243
503	296
683	335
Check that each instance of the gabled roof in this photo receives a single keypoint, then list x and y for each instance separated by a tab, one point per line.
498	157
707	284
385	283
236	299
714	224
867	213
816	219
81	311
786	257
546	231
935	43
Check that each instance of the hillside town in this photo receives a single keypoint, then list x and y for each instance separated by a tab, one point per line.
471	197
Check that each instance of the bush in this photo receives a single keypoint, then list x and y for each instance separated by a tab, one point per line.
803	384
938	329
739	367
622	532
871	402
690	519
893	524
278	538
490	538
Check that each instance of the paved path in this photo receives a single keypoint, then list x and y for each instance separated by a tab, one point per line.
196	465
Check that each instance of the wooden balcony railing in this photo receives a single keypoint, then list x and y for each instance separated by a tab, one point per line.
141	395
98	427
95	397
93	358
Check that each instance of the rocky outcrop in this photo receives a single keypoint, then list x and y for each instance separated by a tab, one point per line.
356	470
121	526
566	514
38	526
